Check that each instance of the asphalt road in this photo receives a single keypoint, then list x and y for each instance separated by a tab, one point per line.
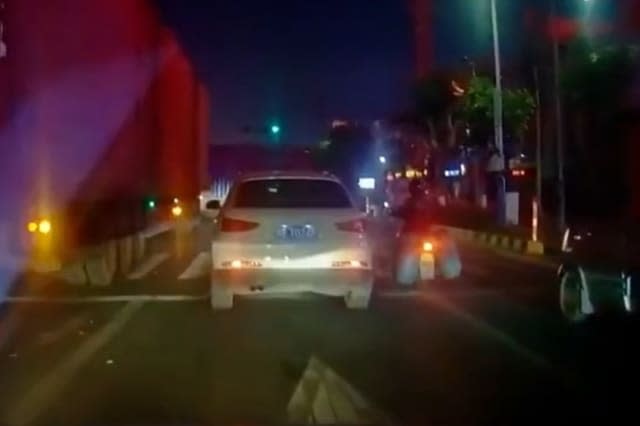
489	348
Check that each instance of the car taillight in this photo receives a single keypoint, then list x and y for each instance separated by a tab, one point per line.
356	225
228	224
427	246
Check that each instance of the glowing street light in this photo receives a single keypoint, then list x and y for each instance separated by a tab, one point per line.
382	159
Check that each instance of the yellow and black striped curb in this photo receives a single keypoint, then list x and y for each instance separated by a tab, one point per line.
499	241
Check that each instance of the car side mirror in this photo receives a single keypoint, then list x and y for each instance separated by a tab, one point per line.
213	205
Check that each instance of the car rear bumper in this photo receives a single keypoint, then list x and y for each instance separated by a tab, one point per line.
267	256
335	282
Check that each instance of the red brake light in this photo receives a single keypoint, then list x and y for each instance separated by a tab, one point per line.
228	224
356	225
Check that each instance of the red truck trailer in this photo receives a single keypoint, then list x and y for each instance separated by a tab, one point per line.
103	124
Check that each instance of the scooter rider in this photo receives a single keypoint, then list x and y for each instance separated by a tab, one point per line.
416	223
418	220
414	211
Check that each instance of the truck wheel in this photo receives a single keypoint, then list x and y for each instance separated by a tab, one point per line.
359	297
572	287
220	295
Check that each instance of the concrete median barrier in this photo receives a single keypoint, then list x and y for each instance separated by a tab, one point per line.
73	273
99	265
139	248
125	254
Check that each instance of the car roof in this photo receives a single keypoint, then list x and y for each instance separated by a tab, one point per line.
296	174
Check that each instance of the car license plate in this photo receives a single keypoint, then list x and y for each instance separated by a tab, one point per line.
296	233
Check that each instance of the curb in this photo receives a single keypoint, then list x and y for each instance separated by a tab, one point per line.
499	241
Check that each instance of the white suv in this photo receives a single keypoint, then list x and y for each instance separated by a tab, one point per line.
290	232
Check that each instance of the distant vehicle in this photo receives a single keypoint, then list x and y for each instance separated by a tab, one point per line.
113	137
290	232
599	273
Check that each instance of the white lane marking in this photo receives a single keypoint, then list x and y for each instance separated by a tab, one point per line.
198	267
490	331
323	397
106	299
148	265
43	393
51	336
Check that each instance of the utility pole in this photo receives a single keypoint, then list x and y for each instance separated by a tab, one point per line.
497	121
559	126
497	97
536	78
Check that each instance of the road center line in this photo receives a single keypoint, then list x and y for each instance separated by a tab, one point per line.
52	386
490	331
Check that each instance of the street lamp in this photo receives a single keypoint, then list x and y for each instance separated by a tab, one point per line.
382	159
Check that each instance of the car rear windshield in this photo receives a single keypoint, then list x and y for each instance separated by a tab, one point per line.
291	193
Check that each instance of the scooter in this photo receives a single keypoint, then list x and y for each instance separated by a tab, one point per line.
423	257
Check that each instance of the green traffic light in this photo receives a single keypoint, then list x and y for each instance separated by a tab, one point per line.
151	204
275	129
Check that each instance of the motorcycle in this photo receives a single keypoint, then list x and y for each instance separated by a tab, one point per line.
425	256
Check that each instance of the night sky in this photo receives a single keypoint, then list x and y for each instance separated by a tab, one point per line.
303	63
